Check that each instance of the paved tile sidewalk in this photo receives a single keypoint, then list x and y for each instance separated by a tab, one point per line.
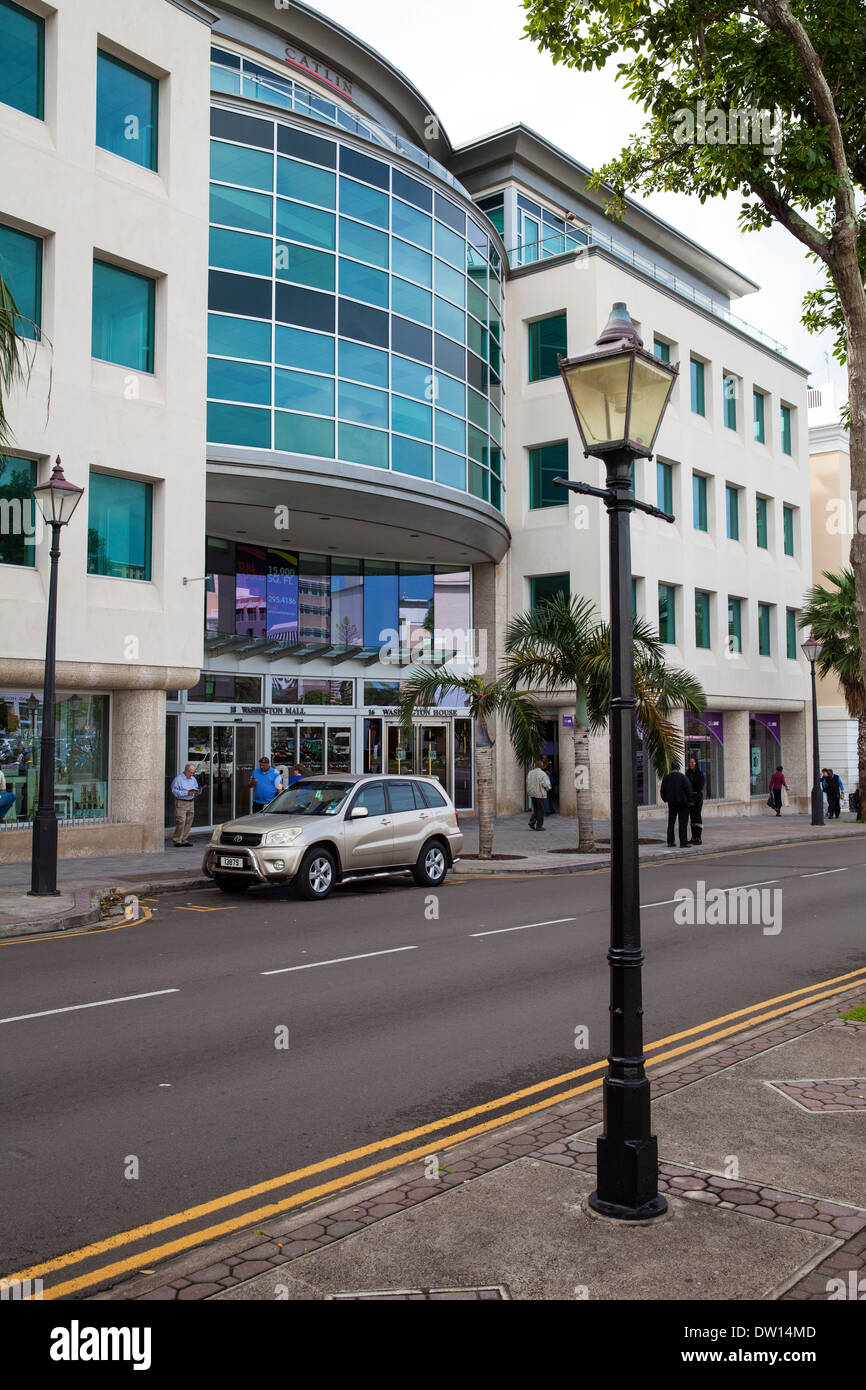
512	1216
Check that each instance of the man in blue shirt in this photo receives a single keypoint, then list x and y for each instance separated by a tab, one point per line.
267	782
184	789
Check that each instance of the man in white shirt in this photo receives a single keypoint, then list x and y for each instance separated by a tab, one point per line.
537	787
184	789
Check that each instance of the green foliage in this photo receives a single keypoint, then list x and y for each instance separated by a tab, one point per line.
428	685
830	611
15	359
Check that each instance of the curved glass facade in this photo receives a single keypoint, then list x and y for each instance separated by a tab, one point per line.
355	310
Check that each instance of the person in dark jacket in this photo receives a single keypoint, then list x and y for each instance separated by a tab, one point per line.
676	790
697	781
833	788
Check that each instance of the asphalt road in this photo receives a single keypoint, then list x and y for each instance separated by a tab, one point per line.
395	1018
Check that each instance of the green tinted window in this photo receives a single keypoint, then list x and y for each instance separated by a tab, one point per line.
791	633
411	456
410	417
450	469
699	502
367	204
238	381
545	465
310	225
547	586
450	283
761	522
300	391
239	251
17	511
123	309
763	629
363	243
732	503
408	222
363	405
785	425
296	348
306	184
758	417
304	434
21	268
449	394
478	481
698	396
411	302
228	337
735	629
363	282
450	432
667	614
238	424
450	320
369	447
788	526
547	339
478	409
450	246
127	111
22	44
661	350
301	265
702	619
237	208
118	527
665	487
237	164
729	384
411	263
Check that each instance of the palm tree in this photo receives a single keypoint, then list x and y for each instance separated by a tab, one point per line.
831	614
560	646
485	700
16	358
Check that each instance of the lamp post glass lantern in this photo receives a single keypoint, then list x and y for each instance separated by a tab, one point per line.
618	393
812	649
57	500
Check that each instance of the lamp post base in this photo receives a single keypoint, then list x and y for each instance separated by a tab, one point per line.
656	1206
817	806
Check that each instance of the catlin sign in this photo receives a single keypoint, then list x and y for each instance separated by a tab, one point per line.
299	59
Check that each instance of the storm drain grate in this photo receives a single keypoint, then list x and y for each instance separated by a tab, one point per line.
489	1291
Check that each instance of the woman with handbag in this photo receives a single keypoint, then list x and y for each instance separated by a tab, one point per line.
777	782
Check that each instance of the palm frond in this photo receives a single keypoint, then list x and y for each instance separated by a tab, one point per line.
546	645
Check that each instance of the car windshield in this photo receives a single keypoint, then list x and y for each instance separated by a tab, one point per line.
311	799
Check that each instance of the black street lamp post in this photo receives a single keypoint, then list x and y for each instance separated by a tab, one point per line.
57	500
812	650
619	393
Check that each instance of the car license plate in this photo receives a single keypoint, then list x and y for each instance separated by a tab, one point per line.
226	863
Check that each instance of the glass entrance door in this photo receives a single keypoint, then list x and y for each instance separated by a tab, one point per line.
223	757
432	745
401	751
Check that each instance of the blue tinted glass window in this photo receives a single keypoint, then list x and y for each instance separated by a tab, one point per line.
369	325
22	43
363	364
410	456
450	283
411	302
305	146
450	394
304	434
228	337
363	243
234	164
310	225
301	265
239	424
118	527
306	184
478	409
450	469
448	212
411	340
450	432
238	381
411	263
240	294
305	308
449	357
295	348
237	208
241	251
127	107
450	246
450	320
21	268
363	405
358	445
411	224
17	481
243	130
411	378
122	325
363	282
380	601
367	204
362	167
300	391
410	417
412	190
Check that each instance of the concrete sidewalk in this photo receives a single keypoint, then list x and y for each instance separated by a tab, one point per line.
761	1163
83	882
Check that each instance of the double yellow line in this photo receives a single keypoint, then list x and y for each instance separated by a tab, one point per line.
698	1036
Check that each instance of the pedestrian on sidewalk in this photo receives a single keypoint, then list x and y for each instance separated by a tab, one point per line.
834	794
824	789
676	790
697	781
7	799
184	789
297	775
537	787
547	769
267	782
777	782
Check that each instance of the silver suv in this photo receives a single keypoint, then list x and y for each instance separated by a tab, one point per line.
327	830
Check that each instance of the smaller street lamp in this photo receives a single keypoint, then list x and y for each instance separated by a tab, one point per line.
812	650
57	500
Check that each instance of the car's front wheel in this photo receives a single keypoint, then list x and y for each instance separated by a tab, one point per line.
232	885
432	865
317	875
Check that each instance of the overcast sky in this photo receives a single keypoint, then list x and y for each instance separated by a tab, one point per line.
469	59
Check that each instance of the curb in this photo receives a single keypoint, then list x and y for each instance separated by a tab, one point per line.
87	910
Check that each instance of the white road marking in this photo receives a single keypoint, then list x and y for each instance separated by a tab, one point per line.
667	902
499	930
99	1004
314	965
821	872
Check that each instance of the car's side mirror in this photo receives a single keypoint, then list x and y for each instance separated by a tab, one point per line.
357	812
